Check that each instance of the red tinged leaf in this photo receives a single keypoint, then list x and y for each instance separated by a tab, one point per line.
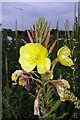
47	39
36	35
52	47
46	30
24	41
30	38
27	86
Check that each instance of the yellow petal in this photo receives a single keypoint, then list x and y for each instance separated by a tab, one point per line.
14	77
33	49
26	66
41	50
66	61
64	51
25	52
44	67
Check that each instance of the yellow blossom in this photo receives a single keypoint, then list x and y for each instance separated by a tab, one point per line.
32	55
63	58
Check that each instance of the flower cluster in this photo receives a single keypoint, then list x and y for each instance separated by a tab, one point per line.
34	58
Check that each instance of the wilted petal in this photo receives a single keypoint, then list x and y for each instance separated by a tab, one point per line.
65	83
16	74
36	106
38	89
64	98
48	75
27	84
21	81
61	93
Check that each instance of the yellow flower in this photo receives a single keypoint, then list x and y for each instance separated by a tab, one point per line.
63	58
32	55
14	77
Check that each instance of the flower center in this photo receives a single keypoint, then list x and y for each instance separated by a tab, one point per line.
35	58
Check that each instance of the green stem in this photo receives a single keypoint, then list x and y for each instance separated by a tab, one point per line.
43	90
54	62
45	97
6	68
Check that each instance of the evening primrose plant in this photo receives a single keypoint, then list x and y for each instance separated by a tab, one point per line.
37	66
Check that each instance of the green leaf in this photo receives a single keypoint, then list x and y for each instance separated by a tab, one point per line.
39	81
42	103
56	105
46	83
53	116
62	116
50	116
50	101
49	94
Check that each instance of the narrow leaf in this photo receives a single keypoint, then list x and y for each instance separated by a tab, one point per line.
36	35
39	81
30	38
62	116
32	32
50	92
47	39
56	105
24	41
52	47
46	30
